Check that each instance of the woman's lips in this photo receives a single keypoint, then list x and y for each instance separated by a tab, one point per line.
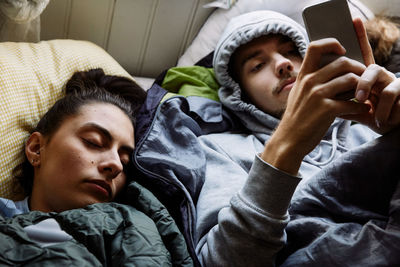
102	187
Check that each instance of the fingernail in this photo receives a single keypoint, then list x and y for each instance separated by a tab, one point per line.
361	95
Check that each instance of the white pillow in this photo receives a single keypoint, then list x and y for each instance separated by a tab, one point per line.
209	34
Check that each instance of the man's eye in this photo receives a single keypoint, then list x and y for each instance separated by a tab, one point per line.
293	52
257	67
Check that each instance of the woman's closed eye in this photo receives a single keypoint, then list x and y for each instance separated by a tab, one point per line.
93	143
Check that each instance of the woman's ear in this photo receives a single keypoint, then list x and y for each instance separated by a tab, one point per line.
33	147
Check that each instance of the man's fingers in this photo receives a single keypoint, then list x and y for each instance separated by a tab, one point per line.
339	86
350	108
365	47
315	51
387	107
367	80
374	78
340	66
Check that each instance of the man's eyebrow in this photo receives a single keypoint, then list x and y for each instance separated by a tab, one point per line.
250	56
106	134
285	40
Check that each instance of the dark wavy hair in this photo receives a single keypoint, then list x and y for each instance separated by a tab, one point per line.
84	87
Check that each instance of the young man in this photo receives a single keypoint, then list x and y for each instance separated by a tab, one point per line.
271	79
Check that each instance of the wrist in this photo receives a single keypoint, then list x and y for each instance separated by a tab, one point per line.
283	155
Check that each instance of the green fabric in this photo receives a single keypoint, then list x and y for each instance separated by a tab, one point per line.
146	202
191	81
104	234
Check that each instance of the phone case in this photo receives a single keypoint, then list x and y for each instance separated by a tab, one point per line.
333	19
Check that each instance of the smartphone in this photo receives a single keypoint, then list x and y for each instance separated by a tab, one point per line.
333	19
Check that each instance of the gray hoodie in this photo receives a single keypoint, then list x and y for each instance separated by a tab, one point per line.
242	207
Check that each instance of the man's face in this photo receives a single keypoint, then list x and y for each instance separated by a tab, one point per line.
266	69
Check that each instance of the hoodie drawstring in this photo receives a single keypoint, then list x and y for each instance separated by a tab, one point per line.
333	151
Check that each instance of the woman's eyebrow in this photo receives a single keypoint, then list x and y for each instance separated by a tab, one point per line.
106	134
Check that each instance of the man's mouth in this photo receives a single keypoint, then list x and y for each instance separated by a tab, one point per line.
287	84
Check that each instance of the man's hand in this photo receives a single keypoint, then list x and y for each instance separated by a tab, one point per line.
377	87
312	107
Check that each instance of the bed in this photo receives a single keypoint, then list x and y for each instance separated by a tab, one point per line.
33	75
39	70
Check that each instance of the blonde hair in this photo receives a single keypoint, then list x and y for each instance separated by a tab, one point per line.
382	35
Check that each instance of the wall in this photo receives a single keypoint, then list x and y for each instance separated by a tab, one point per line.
386	7
132	31
144	36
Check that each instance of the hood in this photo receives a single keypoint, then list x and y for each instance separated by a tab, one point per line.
239	31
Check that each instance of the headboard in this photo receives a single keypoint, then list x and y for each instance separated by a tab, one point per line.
147	36
144	36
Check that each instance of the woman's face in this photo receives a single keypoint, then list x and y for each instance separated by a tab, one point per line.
83	162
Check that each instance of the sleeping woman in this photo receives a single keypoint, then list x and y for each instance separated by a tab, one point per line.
75	166
77	153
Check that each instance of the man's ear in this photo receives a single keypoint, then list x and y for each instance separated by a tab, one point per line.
33	147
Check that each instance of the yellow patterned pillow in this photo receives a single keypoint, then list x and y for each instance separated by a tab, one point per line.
32	78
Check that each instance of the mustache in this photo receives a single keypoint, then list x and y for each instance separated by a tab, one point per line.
283	81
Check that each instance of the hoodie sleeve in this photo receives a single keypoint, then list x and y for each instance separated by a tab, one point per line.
242	217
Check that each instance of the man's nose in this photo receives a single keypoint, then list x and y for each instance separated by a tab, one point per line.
282	65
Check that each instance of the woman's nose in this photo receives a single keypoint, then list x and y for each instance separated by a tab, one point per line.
111	166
